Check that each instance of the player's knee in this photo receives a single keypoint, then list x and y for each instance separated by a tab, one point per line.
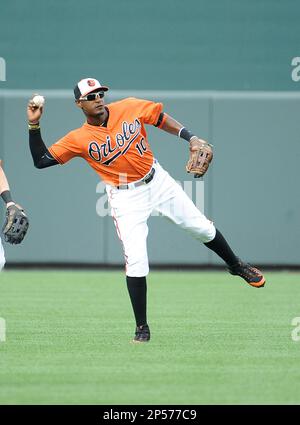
203	230
209	233
137	268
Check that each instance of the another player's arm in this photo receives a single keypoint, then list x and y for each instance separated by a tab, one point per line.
16	221
4	188
42	158
170	125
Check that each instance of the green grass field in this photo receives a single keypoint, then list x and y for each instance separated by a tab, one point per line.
215	340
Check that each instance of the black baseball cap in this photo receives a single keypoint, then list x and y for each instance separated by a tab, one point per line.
86	86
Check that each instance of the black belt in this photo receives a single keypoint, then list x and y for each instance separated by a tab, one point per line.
145	180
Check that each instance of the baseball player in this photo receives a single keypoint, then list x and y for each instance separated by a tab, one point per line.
16	222
114	142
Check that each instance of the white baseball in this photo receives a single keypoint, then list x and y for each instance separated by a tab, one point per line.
38	100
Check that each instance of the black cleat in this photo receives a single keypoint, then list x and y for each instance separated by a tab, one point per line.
142	334
251	275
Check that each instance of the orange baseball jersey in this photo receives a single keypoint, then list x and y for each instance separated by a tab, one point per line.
119	153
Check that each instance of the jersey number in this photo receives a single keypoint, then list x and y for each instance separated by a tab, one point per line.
141	147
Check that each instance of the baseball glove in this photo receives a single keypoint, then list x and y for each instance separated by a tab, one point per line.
16	224
201	155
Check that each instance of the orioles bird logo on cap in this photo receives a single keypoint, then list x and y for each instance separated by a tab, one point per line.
91	83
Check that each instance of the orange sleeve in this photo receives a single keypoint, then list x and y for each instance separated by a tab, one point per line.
147	110
65	148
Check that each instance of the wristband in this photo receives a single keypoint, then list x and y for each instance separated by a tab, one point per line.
185	134
160	118
35	126
6	196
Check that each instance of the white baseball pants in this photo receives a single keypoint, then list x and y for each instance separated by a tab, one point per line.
131	208
2	257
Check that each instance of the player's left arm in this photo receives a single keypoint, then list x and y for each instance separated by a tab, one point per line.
201	153
170	125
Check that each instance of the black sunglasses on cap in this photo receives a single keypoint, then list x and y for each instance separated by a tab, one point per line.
93	96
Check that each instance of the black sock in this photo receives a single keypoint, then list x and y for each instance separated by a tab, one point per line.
137	288
221	247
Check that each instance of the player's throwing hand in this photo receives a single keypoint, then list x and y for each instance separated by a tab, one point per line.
35	109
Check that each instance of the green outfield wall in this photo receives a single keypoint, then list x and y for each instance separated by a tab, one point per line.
157	44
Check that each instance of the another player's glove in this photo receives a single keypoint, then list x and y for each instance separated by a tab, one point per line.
201	155
16	224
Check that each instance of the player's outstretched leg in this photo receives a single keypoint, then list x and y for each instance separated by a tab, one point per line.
181	210
251	275
235	265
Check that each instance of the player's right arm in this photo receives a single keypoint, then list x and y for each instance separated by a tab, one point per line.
60	152
42	158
